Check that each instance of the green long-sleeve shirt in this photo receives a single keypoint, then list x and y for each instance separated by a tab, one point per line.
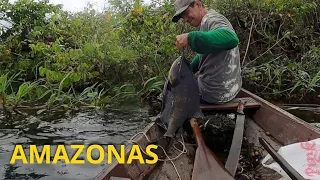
210	42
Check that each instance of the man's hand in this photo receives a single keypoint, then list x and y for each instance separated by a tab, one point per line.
182	41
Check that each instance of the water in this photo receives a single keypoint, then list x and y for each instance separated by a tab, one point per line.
111	126
310	116
102	127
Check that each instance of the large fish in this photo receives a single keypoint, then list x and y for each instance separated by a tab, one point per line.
180	98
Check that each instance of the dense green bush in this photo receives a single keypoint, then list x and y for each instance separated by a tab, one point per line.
96	58
279	42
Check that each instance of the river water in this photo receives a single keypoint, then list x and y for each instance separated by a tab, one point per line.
103	127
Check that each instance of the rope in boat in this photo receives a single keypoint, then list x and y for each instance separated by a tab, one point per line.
168	158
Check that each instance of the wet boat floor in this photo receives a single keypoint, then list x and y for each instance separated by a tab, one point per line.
184	164
249	166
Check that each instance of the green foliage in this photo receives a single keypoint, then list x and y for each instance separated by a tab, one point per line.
94	59
282	56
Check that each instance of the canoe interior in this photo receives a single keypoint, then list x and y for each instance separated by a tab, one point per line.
277	126
183	164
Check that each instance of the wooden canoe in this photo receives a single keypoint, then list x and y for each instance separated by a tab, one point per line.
263	119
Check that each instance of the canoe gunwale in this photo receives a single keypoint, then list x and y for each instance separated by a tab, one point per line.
282	125
134	170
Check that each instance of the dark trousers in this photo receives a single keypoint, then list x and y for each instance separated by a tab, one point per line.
202	101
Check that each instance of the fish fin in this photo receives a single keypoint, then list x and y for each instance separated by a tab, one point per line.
158	121
162	125
198	114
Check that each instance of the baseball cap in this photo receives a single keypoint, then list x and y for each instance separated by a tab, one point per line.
180	6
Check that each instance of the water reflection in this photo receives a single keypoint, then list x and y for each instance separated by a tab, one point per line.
53	128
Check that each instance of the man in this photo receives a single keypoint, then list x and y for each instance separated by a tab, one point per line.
216	44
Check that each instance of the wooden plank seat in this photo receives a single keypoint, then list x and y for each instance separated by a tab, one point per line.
250	103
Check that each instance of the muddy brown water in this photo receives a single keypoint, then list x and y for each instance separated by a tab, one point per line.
110	126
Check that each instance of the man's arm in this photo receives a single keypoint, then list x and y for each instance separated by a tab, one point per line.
212	41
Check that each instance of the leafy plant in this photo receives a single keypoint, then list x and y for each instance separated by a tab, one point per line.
95	59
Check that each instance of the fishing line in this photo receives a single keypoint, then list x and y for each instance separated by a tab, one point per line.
168	158
184	149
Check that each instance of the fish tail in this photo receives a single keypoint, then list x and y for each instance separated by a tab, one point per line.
163	142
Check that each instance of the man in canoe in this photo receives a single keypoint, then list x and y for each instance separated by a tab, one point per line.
216	45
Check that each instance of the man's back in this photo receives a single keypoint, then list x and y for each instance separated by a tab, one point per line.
219	72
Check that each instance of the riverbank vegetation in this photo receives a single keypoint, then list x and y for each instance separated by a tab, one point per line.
51	58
